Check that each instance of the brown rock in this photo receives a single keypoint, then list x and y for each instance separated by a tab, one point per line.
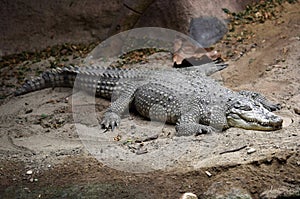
29	26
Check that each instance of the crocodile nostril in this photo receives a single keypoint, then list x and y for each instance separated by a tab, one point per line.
277	119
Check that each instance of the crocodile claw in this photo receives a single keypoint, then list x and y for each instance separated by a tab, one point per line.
110	121
187	129
274	107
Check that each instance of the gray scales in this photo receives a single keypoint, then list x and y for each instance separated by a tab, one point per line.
186	97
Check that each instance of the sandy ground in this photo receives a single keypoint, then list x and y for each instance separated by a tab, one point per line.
45	154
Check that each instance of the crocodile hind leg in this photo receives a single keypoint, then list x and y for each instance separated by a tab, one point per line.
112	116
261	99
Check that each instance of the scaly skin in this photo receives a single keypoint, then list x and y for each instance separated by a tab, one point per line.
185	97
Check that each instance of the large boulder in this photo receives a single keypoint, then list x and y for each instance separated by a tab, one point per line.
33	25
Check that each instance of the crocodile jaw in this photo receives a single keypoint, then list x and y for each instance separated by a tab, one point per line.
258	118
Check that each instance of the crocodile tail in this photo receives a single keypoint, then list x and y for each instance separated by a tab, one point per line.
58	77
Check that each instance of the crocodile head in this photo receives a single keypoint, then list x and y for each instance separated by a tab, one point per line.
249	114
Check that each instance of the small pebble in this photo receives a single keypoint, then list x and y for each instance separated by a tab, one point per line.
27	189
208	173
141	151
251	150
188	196
29	172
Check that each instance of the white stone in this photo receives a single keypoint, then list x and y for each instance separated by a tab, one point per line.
251	150
29	172
208	173
188	196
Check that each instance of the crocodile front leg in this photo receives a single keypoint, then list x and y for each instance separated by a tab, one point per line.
201	117
190	128
188	123
112	116
261	99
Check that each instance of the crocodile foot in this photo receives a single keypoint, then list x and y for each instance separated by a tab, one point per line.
110	121
273	107
188	129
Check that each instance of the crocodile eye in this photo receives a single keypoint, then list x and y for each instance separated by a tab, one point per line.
246	108
257	104
237	105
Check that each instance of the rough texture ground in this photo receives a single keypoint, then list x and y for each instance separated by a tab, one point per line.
43	156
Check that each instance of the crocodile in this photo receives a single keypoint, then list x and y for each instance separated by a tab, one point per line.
186	97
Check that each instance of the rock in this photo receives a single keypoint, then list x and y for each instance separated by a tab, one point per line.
129	15
29	25
251	150
188	196
141	151
29	172
208	173
33	180
207	30
25	29
281	192
223	191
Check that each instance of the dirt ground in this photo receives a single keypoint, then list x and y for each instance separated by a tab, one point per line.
45	155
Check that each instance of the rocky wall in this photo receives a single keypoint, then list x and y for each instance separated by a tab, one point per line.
35	24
